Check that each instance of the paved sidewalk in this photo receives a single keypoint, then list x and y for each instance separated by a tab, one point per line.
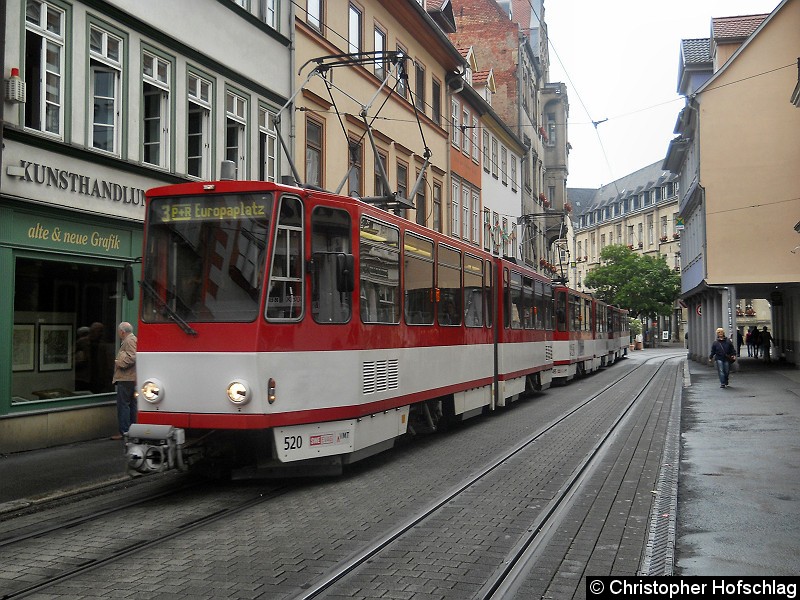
739	484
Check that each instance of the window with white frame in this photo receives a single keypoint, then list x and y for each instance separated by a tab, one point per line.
513	173
455	112
235	132
650	230
551	128
155	109
380	46
437	207
402	84
314	156
419	86
105	51
496	233
354	17
455	211
466	196
465	133
314	15
267	146
494	157
664	226
198	129
486	151
475	138
436	102
44	67
504	165
476	207
269	12
487	229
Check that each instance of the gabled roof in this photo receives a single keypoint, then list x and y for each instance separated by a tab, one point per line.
734	29
484	78
441	11
751	19
696	52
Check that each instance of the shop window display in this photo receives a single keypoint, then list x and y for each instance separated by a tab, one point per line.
65	317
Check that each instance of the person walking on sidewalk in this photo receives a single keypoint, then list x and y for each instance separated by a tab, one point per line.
125	379
766	343
723	353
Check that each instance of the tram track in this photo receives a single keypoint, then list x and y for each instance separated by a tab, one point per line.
224	506
525	551
522	552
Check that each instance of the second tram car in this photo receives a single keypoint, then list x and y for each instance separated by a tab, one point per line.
287	326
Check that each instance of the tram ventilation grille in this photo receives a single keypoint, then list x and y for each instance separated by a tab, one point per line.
380	375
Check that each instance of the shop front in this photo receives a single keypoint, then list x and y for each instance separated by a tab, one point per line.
67	230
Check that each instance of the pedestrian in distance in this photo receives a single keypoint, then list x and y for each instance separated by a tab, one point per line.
739	342
755	339
766	343
748	340
723	354
125	379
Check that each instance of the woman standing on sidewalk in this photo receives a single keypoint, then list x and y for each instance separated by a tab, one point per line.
723	352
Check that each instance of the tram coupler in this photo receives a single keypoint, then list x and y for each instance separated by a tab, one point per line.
154	448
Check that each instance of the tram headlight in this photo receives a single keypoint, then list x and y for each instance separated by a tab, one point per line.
153	391
238	392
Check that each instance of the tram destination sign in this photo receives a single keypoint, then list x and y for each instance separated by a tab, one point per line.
205	208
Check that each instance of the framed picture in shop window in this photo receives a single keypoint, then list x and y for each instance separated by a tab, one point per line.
55	347
23	347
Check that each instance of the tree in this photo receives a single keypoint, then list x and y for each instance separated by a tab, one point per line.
645	285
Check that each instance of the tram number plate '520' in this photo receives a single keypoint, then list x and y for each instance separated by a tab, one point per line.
300	442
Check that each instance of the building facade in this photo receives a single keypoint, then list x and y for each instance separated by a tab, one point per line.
511	37
640	211
737	156
409	116
104	100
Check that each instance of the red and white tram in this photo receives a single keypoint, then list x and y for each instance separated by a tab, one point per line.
589	334
284	325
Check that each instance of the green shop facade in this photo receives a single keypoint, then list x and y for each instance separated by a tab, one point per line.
69	224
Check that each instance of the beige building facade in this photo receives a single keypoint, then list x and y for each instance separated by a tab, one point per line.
640	211
409	115
737	154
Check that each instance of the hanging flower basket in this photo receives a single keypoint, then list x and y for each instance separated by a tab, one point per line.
663	238
568	207
676	236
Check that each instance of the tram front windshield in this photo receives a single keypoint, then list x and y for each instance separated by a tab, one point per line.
204	259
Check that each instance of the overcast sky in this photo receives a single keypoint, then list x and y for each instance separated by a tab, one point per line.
619	61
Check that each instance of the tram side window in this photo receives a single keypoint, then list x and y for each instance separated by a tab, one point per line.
548	307
379	276
561	311
331	302
515	301
538	305
473	291
575	313
587	315
527	303
418	280
488	296
285	297
449	274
